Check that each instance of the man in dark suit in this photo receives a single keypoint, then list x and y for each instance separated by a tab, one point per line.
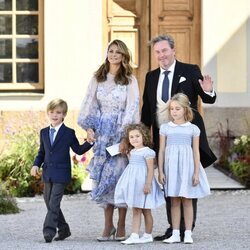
54	153
182	77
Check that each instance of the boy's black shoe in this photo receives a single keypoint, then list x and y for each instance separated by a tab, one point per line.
63	236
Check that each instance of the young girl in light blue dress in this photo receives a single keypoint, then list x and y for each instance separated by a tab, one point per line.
137	186
180	170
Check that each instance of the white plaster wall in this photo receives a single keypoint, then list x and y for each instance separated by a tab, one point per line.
226	49
73	51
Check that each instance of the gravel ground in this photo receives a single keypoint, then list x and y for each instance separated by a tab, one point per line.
223	223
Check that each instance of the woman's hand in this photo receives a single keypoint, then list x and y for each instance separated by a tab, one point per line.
90	135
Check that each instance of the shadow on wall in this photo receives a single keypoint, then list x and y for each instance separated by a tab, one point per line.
231	122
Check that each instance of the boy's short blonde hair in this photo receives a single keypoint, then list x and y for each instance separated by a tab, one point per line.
58	103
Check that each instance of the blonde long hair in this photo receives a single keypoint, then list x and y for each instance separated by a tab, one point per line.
183	101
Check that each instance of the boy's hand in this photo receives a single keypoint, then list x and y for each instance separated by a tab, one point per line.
90	135
34	171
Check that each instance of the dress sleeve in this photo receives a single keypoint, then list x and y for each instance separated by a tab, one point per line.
196	130
149	154
89	112
131	113
162	130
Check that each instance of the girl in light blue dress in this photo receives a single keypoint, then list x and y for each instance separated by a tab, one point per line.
137	186
180	170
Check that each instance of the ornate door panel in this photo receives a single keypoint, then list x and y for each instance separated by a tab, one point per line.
180	19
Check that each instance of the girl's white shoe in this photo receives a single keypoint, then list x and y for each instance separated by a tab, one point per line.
188	237
175	238
132	239
146	238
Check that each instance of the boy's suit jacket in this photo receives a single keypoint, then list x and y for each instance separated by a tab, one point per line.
185	80
56	158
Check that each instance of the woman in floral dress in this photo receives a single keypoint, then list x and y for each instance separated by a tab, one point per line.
111	102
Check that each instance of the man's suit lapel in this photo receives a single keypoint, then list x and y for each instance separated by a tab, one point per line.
155	79
176	78
59	134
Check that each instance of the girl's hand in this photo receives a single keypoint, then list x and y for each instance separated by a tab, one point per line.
147	189
196	180
162	178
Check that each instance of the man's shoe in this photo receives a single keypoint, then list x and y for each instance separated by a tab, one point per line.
165	236
63	236
48	238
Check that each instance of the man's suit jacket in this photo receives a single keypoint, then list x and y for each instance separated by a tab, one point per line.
191	87
56	158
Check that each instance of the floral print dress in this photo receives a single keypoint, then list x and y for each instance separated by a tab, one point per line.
107	108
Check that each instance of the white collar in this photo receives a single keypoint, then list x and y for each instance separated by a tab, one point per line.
138	149
56	127
171	68
182	125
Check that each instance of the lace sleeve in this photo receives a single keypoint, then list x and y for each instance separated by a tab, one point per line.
131	114
89	112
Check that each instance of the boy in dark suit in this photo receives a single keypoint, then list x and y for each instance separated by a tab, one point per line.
54	156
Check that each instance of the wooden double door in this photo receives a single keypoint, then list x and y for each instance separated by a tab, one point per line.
138	21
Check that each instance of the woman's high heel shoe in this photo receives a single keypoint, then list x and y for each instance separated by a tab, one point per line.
107	238
120	238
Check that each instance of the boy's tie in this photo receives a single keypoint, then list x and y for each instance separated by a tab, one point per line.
165	87
51	135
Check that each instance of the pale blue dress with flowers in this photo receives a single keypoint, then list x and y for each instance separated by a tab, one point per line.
179	162
129	189
107	108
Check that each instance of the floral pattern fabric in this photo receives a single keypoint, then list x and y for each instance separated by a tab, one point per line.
107	108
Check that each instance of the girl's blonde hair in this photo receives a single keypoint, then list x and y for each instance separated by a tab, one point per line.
146	137
183	101
125	71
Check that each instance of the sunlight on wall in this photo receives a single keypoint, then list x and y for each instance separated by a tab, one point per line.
232	64
224	51
220	23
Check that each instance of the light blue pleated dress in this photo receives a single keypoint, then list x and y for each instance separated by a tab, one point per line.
179	162
129	189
